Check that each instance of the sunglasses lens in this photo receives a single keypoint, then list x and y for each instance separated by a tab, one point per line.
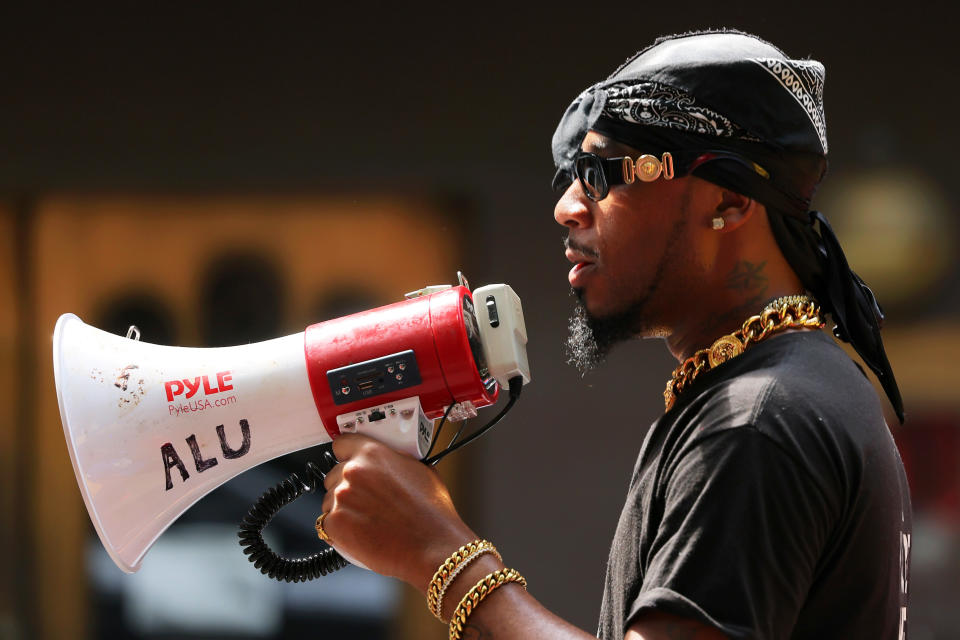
591	176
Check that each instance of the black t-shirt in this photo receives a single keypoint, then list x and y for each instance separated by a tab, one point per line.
770	502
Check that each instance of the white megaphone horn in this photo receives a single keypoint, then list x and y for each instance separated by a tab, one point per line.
152	429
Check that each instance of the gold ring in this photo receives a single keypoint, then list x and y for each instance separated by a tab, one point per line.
319	525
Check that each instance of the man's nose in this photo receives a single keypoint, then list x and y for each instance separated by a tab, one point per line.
572	209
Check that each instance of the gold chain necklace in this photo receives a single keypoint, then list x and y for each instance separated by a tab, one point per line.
787	312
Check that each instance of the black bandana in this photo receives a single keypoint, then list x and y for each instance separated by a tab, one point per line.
733	91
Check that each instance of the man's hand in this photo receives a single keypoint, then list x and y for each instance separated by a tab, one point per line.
389	511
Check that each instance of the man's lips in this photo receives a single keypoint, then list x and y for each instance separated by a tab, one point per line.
584	261
575	256
583	265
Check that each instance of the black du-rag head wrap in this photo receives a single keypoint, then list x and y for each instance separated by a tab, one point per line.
730	91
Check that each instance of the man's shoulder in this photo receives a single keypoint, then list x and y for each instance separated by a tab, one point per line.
799	402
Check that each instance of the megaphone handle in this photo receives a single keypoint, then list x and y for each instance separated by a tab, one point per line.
251	529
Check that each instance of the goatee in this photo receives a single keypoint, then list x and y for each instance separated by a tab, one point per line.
592	338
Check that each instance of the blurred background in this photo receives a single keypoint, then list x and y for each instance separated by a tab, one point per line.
169	166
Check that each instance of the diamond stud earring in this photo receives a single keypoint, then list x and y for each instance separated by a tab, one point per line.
718	223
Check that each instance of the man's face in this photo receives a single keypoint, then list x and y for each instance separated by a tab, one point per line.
628	254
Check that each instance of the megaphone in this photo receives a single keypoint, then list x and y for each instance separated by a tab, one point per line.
151	429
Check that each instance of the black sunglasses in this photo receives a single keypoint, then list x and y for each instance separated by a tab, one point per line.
597	174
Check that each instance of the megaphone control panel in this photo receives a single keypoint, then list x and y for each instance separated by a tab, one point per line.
374	377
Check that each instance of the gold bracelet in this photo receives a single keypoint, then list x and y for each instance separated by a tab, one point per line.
480	591
438	612
449	565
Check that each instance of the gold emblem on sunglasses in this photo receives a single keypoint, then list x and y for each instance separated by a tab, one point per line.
647	168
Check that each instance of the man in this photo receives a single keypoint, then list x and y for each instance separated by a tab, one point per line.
769	500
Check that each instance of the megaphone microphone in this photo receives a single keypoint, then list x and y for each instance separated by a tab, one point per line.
151	429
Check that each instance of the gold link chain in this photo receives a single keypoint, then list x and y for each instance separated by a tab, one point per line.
449	566
480	591
788	312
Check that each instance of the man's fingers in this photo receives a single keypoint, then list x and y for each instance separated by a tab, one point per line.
347	445
327	505
344	447
333	478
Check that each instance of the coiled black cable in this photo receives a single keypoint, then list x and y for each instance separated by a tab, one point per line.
251	529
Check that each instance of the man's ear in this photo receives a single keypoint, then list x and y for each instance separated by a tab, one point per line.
732	211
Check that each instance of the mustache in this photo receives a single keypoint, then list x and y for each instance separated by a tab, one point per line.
568	243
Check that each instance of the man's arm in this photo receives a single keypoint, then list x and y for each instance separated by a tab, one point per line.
394	515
